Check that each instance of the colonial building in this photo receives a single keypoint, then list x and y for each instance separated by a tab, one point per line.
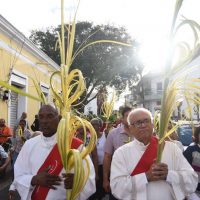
148	92
20	62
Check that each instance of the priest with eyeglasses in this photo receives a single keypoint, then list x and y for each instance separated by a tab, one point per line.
135	175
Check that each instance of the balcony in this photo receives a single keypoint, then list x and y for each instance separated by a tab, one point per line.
152	95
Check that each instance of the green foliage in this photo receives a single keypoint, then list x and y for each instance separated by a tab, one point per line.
101	64
113	118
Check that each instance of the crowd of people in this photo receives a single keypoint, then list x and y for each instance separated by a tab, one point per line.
122	165
11	142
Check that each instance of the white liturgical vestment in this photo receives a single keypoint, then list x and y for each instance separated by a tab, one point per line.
31	157
181	179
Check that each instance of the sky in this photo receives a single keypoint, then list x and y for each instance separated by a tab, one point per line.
148	21
136	15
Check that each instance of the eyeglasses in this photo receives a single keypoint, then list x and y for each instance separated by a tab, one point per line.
139	123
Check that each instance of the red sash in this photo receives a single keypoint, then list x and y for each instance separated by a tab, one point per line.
53	160
147	158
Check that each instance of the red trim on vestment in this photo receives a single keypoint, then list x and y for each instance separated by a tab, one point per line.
53	160
147	158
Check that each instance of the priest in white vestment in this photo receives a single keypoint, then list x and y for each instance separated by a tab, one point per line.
172	179
33	155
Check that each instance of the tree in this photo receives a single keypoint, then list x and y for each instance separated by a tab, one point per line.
102	64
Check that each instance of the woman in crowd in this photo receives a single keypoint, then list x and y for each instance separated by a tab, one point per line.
101	139
192	154
19	137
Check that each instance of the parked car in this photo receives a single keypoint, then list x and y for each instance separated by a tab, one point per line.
185	132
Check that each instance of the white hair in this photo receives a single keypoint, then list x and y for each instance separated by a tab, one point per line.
138	110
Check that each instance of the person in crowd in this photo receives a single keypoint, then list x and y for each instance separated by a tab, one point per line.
24	117
93	154
19	137
80	135
108	126
5	134
38	169
192	154
4	161
135	174
12	190
35	124
116	138
174	137
101	139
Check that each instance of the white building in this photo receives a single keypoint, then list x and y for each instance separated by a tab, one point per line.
148	92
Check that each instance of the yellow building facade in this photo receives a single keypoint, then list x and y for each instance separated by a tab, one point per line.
20	62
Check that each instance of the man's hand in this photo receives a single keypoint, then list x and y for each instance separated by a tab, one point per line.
69	179
11	194
106	185
46	180
106	171
158	171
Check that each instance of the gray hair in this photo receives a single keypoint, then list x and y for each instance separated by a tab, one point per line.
138	110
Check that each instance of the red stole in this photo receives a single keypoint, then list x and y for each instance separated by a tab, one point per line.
147	158
53	160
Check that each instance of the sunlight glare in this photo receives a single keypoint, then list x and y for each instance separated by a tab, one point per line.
153	55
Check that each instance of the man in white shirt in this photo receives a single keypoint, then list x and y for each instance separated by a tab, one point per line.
136	176
38	160
116	138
